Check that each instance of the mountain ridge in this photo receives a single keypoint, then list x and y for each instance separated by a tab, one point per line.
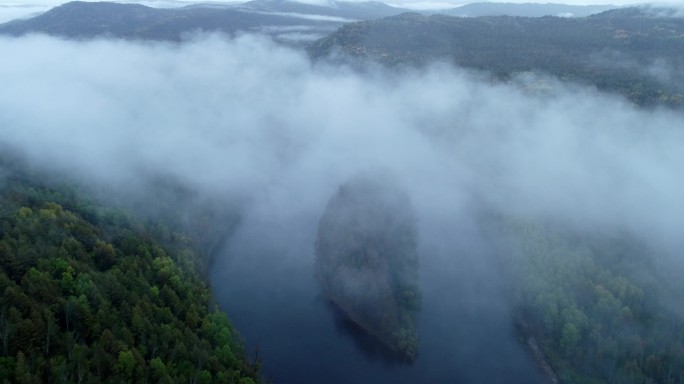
79	19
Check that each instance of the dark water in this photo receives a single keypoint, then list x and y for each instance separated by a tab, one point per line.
264	281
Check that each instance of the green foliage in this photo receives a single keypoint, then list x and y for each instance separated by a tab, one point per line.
125	364
89	295
595	319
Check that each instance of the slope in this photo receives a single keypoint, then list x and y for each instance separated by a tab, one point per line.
133	21
593	303
91	294
619	51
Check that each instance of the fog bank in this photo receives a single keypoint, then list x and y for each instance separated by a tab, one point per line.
246	117
249	120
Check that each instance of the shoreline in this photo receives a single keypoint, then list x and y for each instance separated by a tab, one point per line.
533	347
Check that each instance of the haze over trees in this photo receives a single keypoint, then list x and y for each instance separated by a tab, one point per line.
635	52
593	304
553	144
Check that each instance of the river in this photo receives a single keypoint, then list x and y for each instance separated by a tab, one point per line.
263	280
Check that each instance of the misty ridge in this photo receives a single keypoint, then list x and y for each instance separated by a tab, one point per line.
249	126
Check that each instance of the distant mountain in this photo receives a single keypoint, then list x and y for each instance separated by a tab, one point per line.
526	10
279	18
626	50
287	21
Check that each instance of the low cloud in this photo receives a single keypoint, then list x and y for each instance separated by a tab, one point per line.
247	119
247	116
307	16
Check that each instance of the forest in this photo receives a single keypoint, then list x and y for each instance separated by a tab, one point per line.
94	294
593	303
605	50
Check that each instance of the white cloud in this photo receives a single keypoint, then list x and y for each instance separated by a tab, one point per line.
307	16
248	118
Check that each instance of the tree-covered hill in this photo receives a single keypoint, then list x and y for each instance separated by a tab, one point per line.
94	295
134	21
632	51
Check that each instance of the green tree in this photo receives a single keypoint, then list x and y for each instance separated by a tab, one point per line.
125	364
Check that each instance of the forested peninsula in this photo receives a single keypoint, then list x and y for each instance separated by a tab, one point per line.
93	293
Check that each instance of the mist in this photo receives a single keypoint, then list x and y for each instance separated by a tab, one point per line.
247	120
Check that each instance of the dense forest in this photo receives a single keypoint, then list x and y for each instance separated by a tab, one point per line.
94	294
593	304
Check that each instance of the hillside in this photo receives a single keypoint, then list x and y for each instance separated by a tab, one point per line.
285	20
593	304
92	294
281	19
628	51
